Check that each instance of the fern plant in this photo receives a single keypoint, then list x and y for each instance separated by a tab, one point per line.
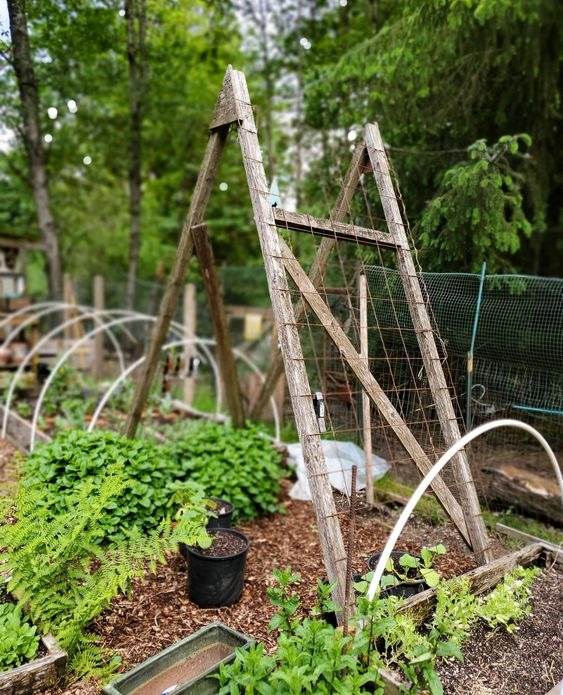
63	578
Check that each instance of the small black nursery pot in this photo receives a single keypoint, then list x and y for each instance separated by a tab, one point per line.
330	616
224	511
216	574
410	586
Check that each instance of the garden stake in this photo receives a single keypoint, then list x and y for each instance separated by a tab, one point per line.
350	554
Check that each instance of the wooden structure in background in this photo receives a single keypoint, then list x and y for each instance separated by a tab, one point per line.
234	109
190	323
99	305
225	354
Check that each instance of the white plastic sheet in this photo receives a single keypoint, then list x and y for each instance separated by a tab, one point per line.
340	457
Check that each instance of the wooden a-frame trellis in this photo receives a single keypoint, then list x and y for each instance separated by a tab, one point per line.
234	109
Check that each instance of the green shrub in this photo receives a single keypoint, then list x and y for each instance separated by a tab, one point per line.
19	640
240	465
62	578
76	456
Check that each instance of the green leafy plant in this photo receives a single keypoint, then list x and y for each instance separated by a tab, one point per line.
60	575
19	639
151	492
313	656
240	465
509	602
287	601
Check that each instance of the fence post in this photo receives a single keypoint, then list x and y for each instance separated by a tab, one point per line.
468	413
190	322
366	406
99	305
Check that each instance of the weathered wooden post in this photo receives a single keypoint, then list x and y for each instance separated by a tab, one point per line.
99	304
366	407
190	323
227	365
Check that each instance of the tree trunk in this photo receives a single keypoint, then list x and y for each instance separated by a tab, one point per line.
29	97
135	14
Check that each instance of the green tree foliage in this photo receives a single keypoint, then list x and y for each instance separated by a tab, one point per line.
439	75
79	50
477	211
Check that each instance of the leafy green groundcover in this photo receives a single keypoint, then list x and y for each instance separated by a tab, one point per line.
60	575
74	457
19	640
240	465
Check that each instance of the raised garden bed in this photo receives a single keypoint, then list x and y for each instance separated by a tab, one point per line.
40	675
477	661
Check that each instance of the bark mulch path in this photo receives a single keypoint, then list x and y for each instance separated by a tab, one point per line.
158	613
528	662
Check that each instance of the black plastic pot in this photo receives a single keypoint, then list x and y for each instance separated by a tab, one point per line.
330	616
224	519
216	581
405	589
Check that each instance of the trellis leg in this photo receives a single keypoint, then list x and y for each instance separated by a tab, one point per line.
196	212
424	333
366	408
316	272
227	365
298	383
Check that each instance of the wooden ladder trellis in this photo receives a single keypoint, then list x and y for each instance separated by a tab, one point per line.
235	109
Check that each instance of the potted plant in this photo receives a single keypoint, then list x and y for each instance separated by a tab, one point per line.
406	574
188	666
222	511
216	573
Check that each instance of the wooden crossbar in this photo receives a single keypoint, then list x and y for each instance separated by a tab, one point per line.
301	222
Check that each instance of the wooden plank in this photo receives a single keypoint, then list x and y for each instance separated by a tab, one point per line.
229	109
300	391
366	410
480	579
316	272
301	222
555	550
99	303
227	365
19	431
23	244
370	384
190	322
196	212
36	676
433	366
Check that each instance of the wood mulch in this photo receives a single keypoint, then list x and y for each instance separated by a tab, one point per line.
157	612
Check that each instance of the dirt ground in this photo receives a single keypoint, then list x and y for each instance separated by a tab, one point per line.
528	662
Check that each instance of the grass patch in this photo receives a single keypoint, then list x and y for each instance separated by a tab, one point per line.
523	523
428	508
